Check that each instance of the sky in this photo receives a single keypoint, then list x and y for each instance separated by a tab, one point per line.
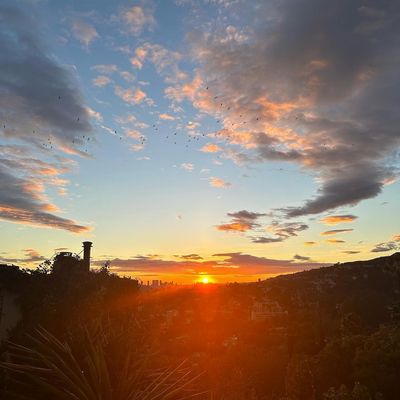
229	139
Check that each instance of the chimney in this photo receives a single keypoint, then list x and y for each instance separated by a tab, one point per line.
86	255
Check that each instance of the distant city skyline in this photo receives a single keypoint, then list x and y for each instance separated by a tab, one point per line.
199	140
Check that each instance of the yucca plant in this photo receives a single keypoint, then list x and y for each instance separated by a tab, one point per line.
103	368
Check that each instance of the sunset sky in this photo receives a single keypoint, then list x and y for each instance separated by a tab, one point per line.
229	138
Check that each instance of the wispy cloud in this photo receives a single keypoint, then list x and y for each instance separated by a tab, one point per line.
187	167
31	256
131	96
236	226
137	18
338	219
334	241
166	117
106	69
393	244
336	231
281	231
211	148
101	81
84	32
219	183
298	257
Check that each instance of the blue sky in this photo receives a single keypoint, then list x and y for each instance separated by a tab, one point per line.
165	129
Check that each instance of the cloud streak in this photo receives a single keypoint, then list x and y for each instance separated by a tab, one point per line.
338	219
336	231
84	32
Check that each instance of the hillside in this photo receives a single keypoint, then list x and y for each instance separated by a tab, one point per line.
329	333
367	288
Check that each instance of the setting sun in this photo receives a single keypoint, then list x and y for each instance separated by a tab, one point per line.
205	280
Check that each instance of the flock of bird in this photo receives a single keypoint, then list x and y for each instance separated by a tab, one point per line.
190	138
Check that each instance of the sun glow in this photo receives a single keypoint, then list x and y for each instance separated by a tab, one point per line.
205	280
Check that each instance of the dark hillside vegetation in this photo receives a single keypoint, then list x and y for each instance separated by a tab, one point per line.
331	333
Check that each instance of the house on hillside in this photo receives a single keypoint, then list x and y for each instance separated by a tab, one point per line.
66	261
266	309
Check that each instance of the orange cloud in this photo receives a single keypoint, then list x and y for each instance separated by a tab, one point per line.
49	171
211	148
273	111
338	219
167	117
101	81
133	133
310	243
133	96
239	226
219	183
336	231
189	90
334	241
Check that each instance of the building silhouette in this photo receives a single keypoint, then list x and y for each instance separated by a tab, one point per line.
66	261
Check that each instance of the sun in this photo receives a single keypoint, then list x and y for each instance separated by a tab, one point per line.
205	280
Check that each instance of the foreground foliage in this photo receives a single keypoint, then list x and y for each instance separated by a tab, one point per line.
105	365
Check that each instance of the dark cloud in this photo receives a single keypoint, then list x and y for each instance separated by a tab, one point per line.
359	183
246	215
40	103
36	92
350	252
301	258
282	231
387	246
287	229
246	221
241	221
313	91
263	239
